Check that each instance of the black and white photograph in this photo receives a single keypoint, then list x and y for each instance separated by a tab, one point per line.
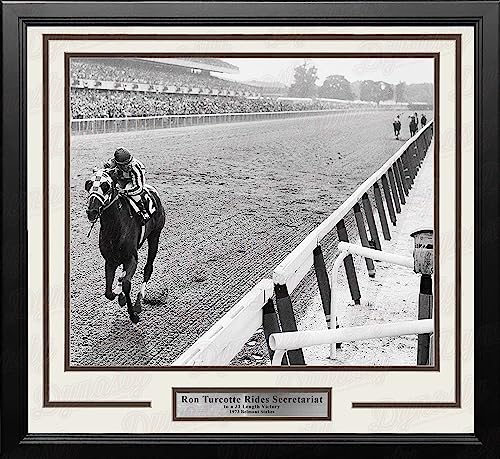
251	211
249	224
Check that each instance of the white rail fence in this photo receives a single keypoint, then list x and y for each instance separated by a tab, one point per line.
395	178
347	249
293	268
227	336
106	125
275	314
283	342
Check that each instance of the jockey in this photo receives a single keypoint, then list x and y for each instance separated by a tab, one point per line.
129	173
397	126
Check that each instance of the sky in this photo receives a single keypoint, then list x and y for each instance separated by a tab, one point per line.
391	70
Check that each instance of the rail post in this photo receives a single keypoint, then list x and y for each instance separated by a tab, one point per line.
349	265
408	165
418	151
287	320
381	212
402	174
426	143
325	291
389	200
413	156
428	137
399	183
424	312
394	191
370	219
270	325
363	237
323	282
423	263
423	148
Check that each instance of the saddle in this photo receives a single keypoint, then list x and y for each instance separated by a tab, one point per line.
148	202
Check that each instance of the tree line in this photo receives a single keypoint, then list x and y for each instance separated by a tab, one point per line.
338	87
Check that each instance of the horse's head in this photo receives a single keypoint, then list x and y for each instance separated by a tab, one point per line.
100	189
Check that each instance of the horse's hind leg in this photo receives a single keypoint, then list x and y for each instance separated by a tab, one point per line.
153	240
130	268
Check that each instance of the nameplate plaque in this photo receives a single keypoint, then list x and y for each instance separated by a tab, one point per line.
210	404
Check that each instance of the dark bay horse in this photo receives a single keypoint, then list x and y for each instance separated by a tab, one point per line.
413	126
120	236
396	124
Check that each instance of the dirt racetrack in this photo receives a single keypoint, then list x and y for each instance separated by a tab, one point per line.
238	198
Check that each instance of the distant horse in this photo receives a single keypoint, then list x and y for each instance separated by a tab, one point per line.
396	124
121	235
413	126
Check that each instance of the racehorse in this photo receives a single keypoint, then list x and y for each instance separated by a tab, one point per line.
413	126
397	128
121	236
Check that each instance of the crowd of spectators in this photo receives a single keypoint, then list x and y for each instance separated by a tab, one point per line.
148	72
97	103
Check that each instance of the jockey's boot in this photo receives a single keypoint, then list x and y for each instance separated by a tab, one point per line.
142	209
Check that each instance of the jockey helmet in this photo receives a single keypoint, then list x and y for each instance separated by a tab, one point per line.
122	156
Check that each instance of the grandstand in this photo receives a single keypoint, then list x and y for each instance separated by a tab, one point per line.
117	88
101	103
133	87
175	75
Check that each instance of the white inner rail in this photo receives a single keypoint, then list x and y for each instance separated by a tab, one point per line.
282	342
348	249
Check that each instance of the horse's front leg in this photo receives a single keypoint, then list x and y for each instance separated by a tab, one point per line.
110	269
130	268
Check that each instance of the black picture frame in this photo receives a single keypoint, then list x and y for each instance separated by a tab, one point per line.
482	15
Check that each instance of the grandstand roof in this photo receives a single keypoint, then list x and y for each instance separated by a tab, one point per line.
202	63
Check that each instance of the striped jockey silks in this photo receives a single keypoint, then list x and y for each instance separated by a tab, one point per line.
133	177
148	200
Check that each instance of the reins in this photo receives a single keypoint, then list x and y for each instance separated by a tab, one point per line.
101	210
92	227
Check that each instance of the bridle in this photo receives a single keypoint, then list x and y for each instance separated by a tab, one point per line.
114	197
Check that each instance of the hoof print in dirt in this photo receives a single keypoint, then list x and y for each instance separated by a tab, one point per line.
199	276
152	301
